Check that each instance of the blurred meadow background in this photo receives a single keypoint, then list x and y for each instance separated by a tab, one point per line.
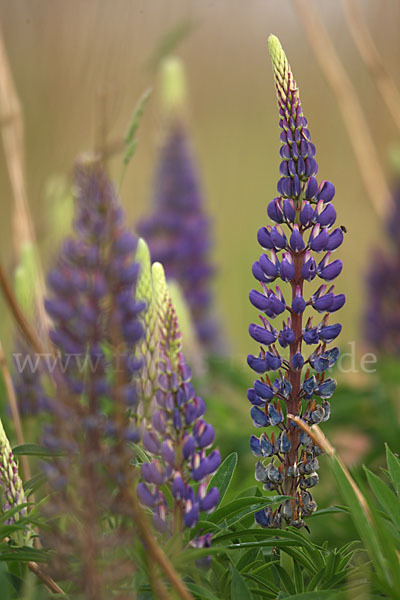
80	67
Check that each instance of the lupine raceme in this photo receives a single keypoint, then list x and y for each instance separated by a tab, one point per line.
177	230
97	330
381	321
148	346
179	437
297	250
93	303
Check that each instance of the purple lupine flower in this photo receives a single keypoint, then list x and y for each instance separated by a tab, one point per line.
93	295
298	250
382	315
92	418
28	371
178	231
180	437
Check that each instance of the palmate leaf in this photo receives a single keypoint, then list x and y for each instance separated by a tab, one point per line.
369	524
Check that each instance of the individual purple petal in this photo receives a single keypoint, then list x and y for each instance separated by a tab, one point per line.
210	501
296	240
326	191
262	335
335	240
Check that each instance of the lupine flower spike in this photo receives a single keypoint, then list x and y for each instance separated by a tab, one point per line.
382	315
297	249
180	437
93	293
96	331
148	345
11	487
177	230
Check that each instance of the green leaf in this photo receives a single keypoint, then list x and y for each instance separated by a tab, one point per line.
298	577
201	592
35	482
223	477
34	450
25	554
330	510
247	558
5	584
240	503
394	469
318	595
279	537
239	589
389	502
285	579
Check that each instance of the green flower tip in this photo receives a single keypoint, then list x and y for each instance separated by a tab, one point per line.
173	84
143	255
144	285
275	49
283	75
159	283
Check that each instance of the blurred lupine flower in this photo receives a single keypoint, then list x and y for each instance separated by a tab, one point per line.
93	303
179	437
11	487
382	315
96	330
27	379
304	217
177	230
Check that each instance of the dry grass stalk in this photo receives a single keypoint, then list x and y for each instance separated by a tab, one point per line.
322	441
371	172
12	128
25	327
372	59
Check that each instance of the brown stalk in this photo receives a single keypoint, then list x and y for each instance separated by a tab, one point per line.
45	579
12	129
361	140
156	552
156	584
372	59
25	327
